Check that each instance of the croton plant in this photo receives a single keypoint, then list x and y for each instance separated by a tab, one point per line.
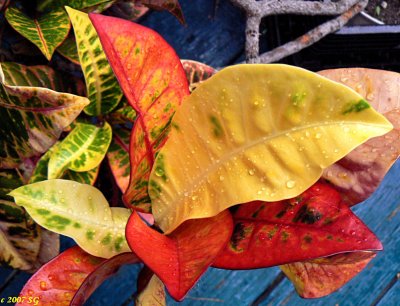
249	167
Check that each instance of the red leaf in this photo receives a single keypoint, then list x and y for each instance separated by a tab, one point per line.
196	72
182	257
154	82
171	6
315	224
322	276
73	272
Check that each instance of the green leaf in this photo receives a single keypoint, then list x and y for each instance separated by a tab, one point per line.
118	157
79	211
250	132
82	150
19	238
32	119
103	90
123	113
41	171
47	31
68	50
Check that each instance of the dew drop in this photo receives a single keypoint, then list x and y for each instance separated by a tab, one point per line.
43	285
290	184
221	178
159	172
370	96
194	198
251	172
318	135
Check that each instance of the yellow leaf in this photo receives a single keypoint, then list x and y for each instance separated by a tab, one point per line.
255	132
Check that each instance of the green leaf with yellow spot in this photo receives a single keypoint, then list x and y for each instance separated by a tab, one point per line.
41	170
250	132
79	211
118	157
47	31
19	237
68	50
82	150
32	119
103	89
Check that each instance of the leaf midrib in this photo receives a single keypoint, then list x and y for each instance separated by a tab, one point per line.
227	157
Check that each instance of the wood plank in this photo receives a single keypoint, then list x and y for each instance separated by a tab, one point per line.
216	41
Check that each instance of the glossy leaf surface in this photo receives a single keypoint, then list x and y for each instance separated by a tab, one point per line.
320	277
82	150
315	224
171	6
71	277
152	79
153	294
259	126
68	50
196	72
41	171
103	90
78	211
118	157
32	120
360	172
182	257
19	237
47	31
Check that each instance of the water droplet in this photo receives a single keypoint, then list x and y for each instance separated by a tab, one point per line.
60	191
221	178
186	194
62	200
370	96
290	184
251	172
194	198
307	134
89	198
43	286
69	210
344	80
318	135
159	172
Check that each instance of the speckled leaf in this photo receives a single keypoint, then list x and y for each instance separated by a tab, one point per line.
118	157
49	248
153	81
68	50
39	76
259	126
32	119
103	90
47	31
82	5
19	237
196	72
122	114
128	10
78	211
315	224
41	171
182	257
82	150
320	277
358	174
9	180
153	294
171	6
71	277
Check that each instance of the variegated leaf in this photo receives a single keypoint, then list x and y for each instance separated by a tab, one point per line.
103	90
19	238
68	50
118	157
153	294
128	10
196	72
79	211
32	119
9	180
123	113
153	81
47	32
41	171
82	5
82	150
